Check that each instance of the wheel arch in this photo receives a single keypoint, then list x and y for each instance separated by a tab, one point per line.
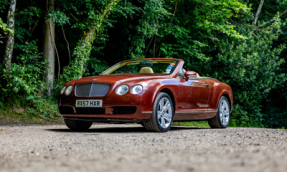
225	94
228	98
169	92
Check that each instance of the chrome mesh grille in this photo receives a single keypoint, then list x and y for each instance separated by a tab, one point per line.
99	89
83	90
92	89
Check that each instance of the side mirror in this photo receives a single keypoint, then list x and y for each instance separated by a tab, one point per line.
190	74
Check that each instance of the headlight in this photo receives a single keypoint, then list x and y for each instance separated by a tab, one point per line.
123	89
69	90
62	90
136	89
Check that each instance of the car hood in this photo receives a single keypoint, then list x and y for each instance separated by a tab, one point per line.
116	79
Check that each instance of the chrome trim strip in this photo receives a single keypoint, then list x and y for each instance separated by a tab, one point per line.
211	111
196	111
146	111
189	111
200	78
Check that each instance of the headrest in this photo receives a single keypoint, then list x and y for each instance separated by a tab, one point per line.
146	70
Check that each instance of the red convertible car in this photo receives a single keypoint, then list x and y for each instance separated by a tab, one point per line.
153	92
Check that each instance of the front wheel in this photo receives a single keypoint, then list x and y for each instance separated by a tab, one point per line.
162	114
222	118
78	125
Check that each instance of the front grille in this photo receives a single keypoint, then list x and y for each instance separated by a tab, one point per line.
90	110
99	89
124	110
92	89
83	90
66	110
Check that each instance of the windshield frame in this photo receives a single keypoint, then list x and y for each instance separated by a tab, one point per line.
115	66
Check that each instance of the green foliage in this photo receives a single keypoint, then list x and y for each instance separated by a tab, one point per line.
3	5
148	26
45	111
27	15
252	67
84	46
191	124
96	66
25	77
192	34
71	72
3	26
44	107
25	85
58	17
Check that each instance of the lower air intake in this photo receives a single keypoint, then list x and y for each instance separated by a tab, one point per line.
124	110
90	110
66	110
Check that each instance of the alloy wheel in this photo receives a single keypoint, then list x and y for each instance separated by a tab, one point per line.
224	113
164	112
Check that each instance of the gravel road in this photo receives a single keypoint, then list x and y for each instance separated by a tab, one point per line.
130	148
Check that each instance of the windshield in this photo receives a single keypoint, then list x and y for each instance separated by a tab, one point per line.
152	66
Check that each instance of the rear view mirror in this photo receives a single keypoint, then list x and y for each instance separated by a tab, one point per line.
145	63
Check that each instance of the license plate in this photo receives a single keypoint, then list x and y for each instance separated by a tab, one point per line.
89	103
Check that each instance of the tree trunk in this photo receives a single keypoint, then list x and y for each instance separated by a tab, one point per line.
83	49
48	48
10	41
258	12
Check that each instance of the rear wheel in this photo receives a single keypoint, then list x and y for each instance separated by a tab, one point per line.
78	125
162	114
222	118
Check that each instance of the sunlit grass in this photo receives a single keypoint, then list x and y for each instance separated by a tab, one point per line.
192	124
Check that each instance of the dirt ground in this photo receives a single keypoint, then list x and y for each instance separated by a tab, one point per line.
49	148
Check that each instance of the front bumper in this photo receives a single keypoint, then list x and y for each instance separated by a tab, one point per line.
126	108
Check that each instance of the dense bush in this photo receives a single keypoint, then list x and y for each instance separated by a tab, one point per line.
25	86
252	67
25	76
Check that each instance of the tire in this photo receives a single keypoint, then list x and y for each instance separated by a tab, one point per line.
162	114
222	118
78	125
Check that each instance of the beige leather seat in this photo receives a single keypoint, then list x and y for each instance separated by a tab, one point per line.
146	70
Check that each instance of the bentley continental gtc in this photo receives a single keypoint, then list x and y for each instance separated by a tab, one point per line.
153	92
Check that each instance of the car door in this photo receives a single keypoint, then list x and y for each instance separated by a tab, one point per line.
194	94
203	85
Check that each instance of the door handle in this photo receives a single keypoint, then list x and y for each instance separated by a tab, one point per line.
207	85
